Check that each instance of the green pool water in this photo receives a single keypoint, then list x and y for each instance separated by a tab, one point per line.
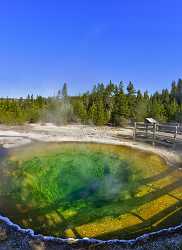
77	189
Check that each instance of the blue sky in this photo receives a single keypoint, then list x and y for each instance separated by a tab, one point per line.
44	43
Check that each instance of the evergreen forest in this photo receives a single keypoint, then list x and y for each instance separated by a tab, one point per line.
107	104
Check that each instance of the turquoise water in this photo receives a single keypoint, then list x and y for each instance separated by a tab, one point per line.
56	189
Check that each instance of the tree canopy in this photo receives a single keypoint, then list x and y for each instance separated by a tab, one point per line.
112	103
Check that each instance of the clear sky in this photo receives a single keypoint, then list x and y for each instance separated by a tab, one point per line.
44	43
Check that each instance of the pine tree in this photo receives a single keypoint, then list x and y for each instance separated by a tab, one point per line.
120	112
131	100
179	92
64	91
173	90
141	107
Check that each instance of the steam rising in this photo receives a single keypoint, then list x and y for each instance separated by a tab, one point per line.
59	109
70	177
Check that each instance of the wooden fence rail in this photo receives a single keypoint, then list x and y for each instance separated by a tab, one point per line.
157	133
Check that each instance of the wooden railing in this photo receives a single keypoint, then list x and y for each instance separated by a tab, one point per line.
158	133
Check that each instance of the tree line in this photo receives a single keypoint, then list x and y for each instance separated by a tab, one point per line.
114	104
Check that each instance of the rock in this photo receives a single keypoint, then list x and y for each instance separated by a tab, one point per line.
3	234
37	245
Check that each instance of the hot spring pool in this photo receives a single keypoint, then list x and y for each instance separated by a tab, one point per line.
89	190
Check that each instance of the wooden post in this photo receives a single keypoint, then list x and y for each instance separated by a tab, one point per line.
134	131
154	134
175	135
146	130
